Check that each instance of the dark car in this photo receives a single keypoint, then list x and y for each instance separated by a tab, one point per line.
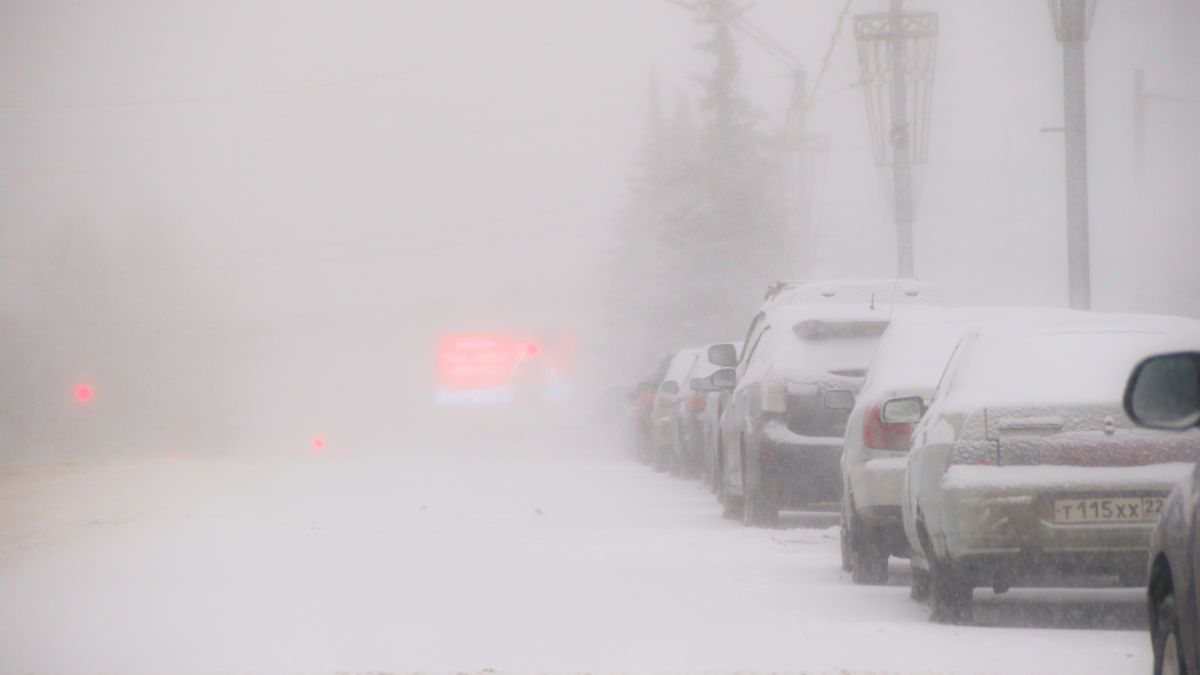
642	397
792	390
1164	393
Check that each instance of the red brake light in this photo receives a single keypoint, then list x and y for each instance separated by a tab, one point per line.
699	401
878	435
83	394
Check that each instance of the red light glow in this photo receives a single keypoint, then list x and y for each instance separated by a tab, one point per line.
318	444
83	393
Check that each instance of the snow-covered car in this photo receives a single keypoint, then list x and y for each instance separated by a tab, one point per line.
1026	466
781	431
703	418
670	405
643	397
1164	393
908	362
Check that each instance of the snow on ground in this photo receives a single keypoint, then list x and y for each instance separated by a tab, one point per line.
521	566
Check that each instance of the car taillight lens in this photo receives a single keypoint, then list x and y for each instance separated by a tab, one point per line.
699	402
774	397
878	435
648	400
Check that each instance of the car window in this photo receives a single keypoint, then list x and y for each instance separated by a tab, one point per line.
947	378
757	353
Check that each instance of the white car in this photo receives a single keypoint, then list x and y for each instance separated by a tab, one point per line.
908	362
1026	467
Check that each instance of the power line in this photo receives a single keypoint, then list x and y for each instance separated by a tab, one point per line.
833	41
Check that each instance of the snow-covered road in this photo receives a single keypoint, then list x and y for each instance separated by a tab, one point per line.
524	566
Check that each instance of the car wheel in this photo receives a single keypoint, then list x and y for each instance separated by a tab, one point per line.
950	598
732	507
758	510
868	559
1168	656
919	590
845	540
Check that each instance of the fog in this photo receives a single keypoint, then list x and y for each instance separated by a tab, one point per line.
324	325
270	210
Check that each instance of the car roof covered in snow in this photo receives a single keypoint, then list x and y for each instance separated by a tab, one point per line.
853	291
1080	358
919	342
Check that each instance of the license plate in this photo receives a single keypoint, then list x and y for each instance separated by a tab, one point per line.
1113	510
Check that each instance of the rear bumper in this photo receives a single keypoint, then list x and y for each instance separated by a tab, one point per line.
878	482
800	470
1002	519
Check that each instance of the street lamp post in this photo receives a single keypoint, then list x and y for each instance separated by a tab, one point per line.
896	53
1072	21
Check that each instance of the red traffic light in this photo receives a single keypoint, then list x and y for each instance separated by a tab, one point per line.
83	393
533	349
318	444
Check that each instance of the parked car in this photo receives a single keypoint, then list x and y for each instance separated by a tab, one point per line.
1164	393
908	362
680	431
642	397
673	394
702	418
1026	467
781	432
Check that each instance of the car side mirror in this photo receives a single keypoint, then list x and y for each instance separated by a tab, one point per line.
838	400
907	410
724	379
724	355
1164	392
701	384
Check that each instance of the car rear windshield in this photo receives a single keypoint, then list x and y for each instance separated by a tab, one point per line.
1069	367
839	343
914	355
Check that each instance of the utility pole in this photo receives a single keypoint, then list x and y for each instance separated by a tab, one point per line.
1071	21
800	147
896	55
901	139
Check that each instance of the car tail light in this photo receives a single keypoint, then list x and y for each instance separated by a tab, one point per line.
699	401
648	399
879	435
774	397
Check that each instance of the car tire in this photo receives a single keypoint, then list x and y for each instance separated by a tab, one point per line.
868	558
845	541
732	507
919	588
757	510
950	593
1166	638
